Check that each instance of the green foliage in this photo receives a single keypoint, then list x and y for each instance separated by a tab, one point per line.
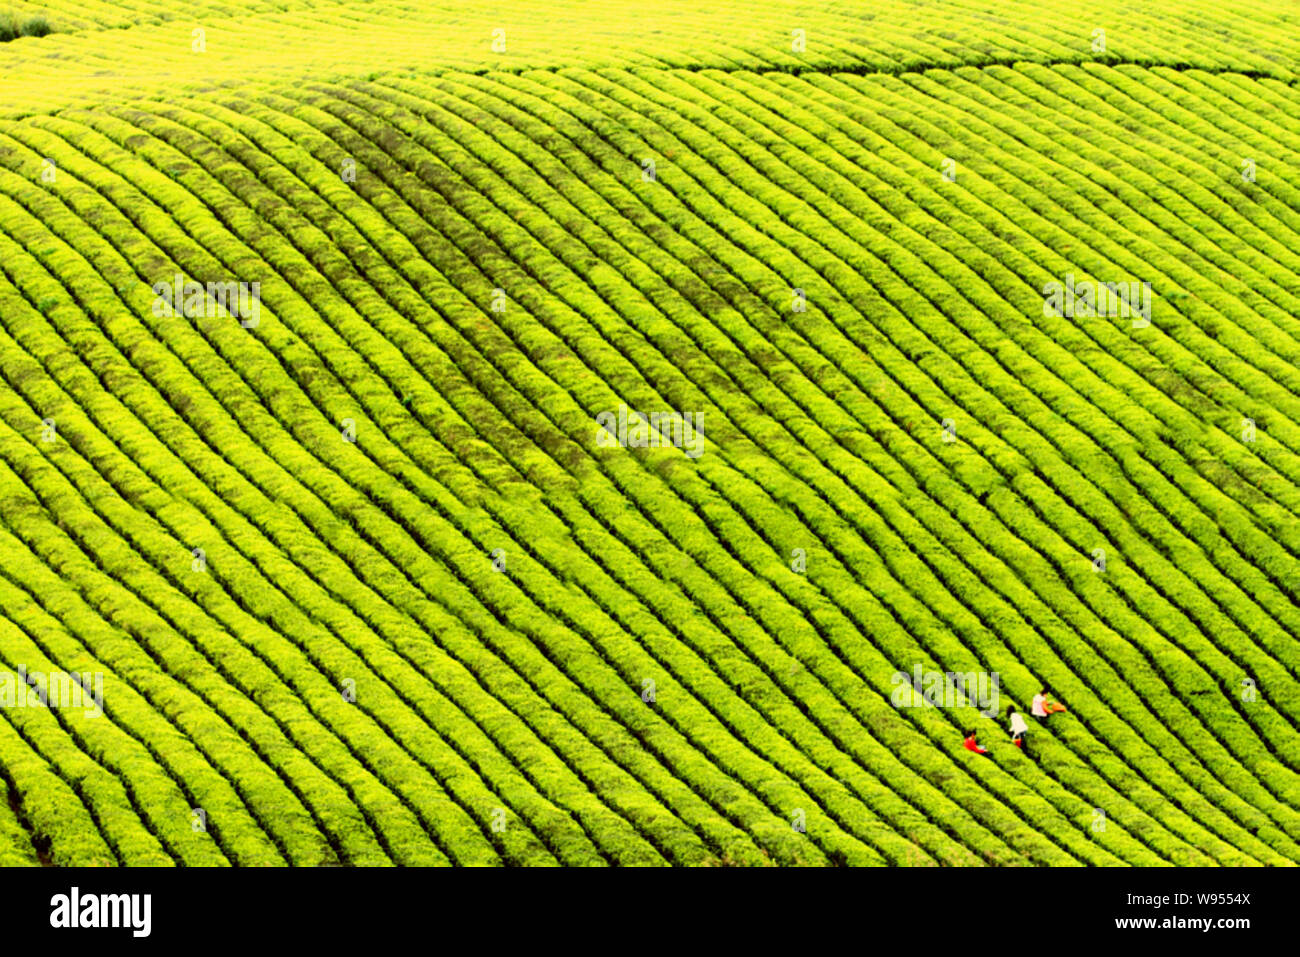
13	26
499	716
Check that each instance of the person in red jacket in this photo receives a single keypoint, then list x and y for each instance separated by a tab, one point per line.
970	744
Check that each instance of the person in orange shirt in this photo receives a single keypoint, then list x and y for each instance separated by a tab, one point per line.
971	745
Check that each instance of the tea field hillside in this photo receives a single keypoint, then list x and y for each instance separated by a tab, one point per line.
366	576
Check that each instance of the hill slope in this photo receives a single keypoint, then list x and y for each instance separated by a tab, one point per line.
365	582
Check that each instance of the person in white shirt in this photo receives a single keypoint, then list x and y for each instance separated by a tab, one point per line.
1039	709
1018	726
1042	707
